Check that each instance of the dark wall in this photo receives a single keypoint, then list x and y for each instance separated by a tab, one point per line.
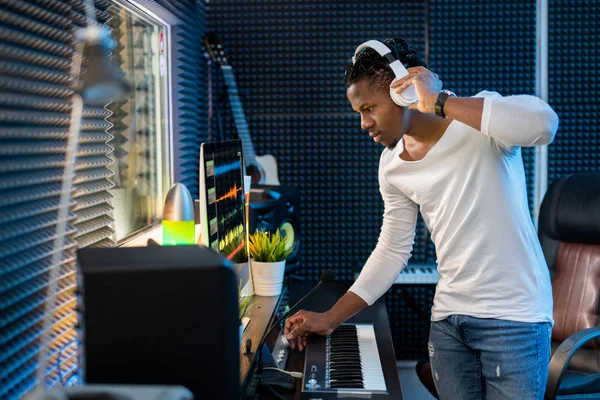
487	45
289	59
289	62
573	82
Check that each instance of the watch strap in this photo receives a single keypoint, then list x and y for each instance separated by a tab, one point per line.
441	100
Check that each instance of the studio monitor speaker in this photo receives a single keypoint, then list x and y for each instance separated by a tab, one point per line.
160	315
277	207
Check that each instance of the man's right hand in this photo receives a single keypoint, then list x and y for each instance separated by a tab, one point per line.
299	325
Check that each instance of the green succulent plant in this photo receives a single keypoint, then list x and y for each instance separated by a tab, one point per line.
269	247
238	257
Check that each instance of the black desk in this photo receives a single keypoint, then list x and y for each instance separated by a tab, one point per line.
323	300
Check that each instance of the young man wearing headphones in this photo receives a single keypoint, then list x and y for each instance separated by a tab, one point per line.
459	160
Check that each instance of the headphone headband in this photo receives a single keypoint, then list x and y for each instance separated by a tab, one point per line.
408	96
384	51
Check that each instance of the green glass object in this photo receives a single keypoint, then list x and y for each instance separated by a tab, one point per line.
177	233
178	217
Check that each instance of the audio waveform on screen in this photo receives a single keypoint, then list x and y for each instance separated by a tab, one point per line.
231	193
225	168
230	215
231	236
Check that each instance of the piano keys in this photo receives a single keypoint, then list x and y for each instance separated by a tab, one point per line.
376	351
344	363
418	274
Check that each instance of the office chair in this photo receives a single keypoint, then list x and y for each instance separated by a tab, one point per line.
569	232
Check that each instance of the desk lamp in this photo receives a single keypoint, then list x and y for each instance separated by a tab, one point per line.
101	83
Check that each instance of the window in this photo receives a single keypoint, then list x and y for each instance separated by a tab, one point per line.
140	128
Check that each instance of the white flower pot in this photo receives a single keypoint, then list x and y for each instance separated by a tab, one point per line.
267	277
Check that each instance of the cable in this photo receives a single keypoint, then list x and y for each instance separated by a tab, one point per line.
290	373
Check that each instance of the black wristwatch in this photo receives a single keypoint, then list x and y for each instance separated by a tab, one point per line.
441	100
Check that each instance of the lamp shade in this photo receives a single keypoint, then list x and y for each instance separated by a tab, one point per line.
102	80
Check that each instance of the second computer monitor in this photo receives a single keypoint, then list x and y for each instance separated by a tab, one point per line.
222	212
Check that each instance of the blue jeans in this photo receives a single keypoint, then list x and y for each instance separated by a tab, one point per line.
475	358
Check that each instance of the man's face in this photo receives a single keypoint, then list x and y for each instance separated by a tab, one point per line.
379	115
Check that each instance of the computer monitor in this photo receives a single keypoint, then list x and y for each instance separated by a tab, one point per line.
162	316
222	211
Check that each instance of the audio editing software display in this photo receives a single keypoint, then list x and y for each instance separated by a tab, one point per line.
222	217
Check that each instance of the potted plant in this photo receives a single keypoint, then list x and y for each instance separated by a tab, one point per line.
268	252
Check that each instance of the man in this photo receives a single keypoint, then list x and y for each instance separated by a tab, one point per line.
492	312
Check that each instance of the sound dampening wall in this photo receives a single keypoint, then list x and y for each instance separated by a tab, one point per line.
487	45
289	61
36	44
573	82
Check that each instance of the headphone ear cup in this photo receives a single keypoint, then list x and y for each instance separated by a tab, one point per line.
404	99
396	98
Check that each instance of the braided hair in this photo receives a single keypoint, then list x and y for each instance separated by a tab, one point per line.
374	68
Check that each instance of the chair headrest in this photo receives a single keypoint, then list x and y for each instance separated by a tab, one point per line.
570	211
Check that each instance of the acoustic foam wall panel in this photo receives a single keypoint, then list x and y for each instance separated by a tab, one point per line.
340	204
35	99
573	82
289	57
486	45
409	309
35	103
289	60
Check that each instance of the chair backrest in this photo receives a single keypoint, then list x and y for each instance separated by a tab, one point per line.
569	231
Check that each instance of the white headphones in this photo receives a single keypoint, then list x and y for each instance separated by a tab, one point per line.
408	95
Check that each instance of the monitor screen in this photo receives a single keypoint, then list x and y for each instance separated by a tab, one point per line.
222	211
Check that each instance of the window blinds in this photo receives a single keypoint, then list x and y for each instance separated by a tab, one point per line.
36	43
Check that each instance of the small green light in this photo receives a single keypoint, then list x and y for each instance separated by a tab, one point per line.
177	233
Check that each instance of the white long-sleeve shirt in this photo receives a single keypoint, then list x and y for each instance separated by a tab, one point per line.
471	190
